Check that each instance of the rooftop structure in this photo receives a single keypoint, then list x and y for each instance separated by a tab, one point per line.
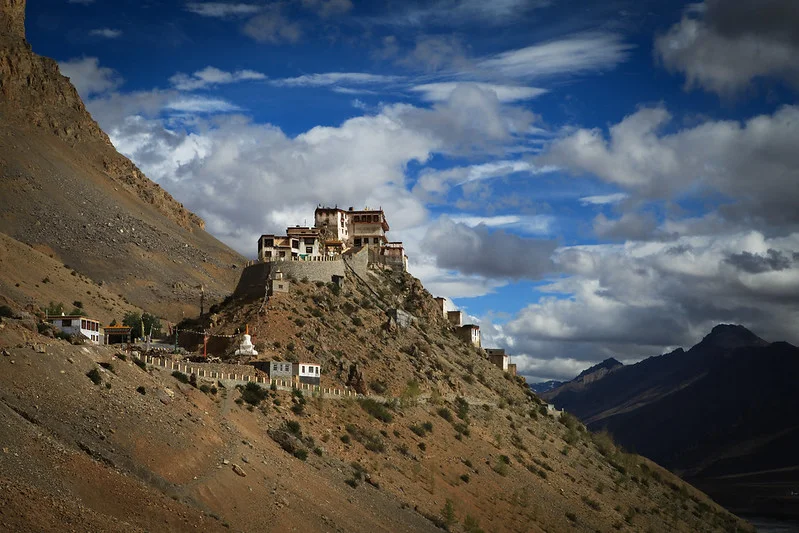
78	325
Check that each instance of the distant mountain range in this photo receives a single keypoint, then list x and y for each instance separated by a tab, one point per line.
724	415
545	386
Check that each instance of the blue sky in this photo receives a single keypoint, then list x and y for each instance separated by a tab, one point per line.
586	180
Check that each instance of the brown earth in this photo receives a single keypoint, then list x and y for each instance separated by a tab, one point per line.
65	188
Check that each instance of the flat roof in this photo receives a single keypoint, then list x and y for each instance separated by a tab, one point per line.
71	317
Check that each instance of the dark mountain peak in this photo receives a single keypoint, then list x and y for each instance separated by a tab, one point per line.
607	365
729	337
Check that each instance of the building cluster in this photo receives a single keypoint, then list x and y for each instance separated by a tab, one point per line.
90	329
470	334
307	373
336	231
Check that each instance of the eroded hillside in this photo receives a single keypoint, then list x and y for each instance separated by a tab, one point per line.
446	440
66	188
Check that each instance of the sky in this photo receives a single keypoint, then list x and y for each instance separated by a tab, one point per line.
584	179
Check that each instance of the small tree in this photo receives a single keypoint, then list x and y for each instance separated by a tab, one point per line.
54	309
448	514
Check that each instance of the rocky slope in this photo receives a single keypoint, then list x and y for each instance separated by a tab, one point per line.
451	442
66	188
722	414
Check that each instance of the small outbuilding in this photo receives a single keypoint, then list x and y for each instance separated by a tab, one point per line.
308	373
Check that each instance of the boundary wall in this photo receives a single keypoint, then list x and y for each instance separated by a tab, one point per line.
234	378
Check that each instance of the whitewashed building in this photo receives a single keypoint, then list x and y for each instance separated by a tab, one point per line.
78	325
308	373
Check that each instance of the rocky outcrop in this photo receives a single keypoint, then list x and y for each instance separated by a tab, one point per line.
12	18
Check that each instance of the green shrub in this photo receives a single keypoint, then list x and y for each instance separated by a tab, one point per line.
205	388
376	409
6	312
356	321
180	376
448	514
94	375
253	394
471	525
462	408
141	390
418	430
345	439
445	413
141	364
428	426
107	366
593	504
377	386
301	454
571	516
465	478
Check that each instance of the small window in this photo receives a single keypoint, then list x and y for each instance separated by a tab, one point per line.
309	249
268	254
357	242
282	254
269	242
317	370
303	369
376	240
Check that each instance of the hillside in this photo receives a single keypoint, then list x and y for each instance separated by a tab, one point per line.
722	414
454	429
70	194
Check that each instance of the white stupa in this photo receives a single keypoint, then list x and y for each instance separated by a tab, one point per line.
246	347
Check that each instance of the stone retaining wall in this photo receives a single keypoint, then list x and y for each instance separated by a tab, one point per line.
206	371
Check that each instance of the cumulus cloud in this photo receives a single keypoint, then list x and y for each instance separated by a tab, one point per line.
633	226
772	260
492	254
723	46
221	9
89	77
754	164
211	76
640	299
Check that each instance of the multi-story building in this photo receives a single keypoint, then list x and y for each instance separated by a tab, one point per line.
335	231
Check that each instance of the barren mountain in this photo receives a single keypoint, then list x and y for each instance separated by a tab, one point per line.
722	414
68	192
442	438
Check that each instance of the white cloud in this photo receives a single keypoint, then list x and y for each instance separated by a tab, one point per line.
530	224
435	184
725	45
438	92
334	78
754	163
222	10
210	76
88	76
640	299
198	104
107	33
589	52
604	199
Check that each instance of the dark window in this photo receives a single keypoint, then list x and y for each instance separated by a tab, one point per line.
376	240
357	242
66	323
309	249
282	254
268	254
303	369
295	243
269	242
